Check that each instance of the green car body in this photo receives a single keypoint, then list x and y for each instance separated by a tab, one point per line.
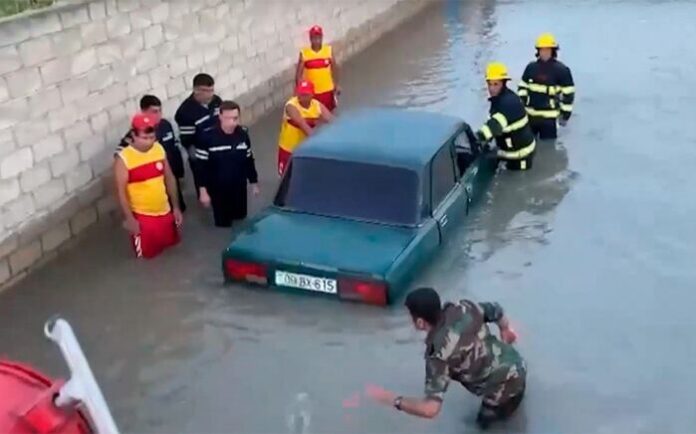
363	206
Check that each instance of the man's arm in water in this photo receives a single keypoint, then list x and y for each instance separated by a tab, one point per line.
436	382
427	408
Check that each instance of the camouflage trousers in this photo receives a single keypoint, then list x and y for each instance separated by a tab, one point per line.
502	400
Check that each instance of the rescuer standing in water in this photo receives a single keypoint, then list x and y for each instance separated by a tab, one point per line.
302	113
227	164
318	65
508	123
145	188
461	347
197	114
547	89
152	106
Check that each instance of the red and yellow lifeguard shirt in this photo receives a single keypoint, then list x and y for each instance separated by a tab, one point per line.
290	133
317	68
147	193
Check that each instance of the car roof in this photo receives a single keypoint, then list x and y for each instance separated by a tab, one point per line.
385	136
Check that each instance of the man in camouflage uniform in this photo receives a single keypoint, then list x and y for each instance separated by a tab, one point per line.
460	346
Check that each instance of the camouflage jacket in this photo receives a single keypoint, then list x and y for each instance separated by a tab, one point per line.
461	347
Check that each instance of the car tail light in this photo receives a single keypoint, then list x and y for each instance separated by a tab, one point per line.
249	271
371	292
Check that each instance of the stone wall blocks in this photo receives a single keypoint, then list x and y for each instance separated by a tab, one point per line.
34	51
83	220
15	163
25	257
75	17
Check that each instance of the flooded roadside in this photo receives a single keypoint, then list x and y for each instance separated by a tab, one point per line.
590	253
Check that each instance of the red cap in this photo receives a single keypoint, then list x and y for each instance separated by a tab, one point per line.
316	31
305	88
142	121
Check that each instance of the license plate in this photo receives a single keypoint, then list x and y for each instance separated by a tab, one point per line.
302	281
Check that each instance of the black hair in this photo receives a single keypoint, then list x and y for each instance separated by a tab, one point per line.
148	101
229	105
424	303
203	79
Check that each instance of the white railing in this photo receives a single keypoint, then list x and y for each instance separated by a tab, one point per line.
81	388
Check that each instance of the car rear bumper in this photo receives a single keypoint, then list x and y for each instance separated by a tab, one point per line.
307	279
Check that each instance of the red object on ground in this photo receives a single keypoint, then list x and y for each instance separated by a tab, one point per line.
157	233
328	99
26	404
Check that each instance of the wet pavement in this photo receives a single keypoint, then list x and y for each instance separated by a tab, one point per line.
590	253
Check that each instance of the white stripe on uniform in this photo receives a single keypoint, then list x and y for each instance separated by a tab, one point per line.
220	148
203	119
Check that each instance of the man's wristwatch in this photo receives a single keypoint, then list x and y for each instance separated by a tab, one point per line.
397	402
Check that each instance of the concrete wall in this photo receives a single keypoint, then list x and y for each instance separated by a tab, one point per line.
71	76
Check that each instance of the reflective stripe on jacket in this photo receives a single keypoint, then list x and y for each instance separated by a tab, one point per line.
509	126
547	89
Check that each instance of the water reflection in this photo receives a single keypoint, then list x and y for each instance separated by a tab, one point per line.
520	203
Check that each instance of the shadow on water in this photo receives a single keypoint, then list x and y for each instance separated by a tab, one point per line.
517	209
519	204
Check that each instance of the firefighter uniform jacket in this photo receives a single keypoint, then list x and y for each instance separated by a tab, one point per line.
166	138
509	125
547	89
194	118
227	164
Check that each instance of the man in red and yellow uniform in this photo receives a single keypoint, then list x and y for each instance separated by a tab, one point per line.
146	185
318	65
302	114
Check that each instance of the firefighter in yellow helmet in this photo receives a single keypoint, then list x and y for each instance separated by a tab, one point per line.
547	89
508	123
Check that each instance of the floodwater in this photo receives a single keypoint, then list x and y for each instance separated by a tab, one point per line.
591	253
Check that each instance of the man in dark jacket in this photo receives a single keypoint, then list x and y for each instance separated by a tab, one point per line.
197	114
547	89
508	123
226	166
152	106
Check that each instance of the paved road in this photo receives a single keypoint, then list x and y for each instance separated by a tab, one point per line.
591	253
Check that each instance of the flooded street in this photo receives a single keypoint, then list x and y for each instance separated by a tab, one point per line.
590	253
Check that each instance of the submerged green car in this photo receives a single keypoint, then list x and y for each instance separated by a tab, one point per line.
363	206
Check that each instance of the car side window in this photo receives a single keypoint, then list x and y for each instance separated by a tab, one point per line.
443	175
466	146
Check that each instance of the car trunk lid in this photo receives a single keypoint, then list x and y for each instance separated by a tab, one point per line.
322	242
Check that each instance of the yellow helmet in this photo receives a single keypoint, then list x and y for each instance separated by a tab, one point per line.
546	40
496	71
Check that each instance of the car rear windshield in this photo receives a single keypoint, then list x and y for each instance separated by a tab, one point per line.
352	190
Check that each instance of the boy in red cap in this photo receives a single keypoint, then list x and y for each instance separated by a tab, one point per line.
146	186
318	65
301	116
